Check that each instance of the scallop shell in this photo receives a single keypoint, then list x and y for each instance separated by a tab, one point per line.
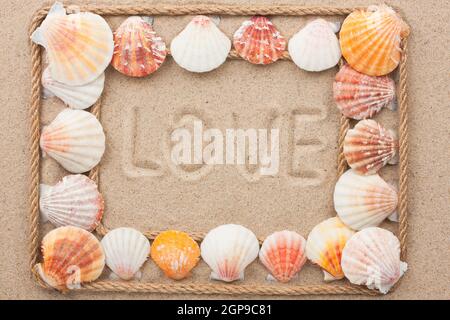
372	258
138	50
363	201
325	244
76	97
74	201
75	139
359	96
79	46
201	46
126	250
315	47
176	253
368	147
228	250
370	40
283	254
258	41
71	256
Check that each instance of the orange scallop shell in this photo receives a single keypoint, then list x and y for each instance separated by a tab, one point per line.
138	51
359	96
325	244
71	256
258	41
370	40
283	254
176	253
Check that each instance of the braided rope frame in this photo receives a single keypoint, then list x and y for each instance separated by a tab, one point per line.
190	288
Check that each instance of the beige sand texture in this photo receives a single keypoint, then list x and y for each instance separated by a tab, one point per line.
144	191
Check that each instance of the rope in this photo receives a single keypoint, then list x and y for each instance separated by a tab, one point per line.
209	9
403	153
343	128
229	289
181	288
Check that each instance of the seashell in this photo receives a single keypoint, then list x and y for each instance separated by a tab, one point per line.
368	147
126	250
138	51
76	97
370	40
176	253
372	258
79	46
74	201
316	47
325	244
228	250
258	41
283	254
359	96
72	256
75	139
363	201
201	46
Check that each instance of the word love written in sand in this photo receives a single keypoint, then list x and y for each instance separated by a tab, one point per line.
191	148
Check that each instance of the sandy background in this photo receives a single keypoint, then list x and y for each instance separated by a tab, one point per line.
143	191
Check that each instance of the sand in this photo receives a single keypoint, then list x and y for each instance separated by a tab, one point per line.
144	191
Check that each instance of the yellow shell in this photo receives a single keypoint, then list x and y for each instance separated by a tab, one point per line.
176	253
71	256
79	46
370	40
325	244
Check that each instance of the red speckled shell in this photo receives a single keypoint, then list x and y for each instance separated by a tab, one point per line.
359	96
138	51
369	146
258	41
71	256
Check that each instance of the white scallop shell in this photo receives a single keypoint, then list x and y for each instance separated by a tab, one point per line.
363	201
228	250
201	46
74	201
372	258
75	139
315	47
79	46
126	250
76	97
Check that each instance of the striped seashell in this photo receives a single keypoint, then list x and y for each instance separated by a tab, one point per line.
201	46
126	250
372	258
368	147
325	244
228	250
79	46
258	41
76	97
283	254
138	51
75	139
370	40
74	201
72	256
176	253
363	201
316	47
359	96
